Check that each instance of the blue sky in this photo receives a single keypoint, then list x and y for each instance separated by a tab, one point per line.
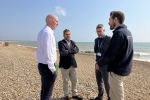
23	19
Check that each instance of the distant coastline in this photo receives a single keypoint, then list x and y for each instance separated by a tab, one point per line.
141	49
138	56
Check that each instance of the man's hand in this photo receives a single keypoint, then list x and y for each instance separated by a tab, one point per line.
97	67
52	72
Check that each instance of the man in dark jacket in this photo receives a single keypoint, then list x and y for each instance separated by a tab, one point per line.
118	56
68	65
101	44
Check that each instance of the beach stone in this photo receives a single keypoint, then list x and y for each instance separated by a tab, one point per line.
20	78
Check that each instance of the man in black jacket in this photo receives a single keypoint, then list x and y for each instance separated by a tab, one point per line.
101	44
68	65
118	56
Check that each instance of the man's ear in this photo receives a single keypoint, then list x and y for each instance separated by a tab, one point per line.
116	19
50	20
104	30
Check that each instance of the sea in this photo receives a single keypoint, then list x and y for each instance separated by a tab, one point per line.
141	49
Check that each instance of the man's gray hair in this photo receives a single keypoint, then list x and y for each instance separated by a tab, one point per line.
100	26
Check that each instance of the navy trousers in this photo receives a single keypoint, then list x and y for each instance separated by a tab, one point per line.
102	77
47	81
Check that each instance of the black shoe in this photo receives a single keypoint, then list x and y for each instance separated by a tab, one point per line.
97	98
77	97
66	98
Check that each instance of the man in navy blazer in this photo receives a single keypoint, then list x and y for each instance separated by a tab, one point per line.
67	49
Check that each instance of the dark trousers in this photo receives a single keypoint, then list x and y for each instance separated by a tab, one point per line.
102	77
47	81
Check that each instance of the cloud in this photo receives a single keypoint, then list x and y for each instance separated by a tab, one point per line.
60	11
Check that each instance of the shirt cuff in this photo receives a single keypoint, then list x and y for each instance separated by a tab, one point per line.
52	67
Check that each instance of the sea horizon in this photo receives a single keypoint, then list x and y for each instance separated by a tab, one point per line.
141	49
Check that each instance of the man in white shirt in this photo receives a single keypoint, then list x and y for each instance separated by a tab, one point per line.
46	56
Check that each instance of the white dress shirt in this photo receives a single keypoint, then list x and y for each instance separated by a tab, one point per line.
46	48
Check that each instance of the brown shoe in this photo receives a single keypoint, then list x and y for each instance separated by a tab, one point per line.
66	98
97	98
77	97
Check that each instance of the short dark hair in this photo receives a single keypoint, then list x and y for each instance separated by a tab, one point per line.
120	15
100	26
66	30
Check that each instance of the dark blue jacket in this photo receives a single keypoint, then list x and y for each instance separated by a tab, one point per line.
67	57
119	54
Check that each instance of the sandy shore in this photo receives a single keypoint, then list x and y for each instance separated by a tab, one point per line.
20	79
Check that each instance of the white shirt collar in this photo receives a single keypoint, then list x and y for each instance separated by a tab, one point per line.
49	28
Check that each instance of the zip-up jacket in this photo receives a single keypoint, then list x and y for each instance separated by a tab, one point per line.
119	54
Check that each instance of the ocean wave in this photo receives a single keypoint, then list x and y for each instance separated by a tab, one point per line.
135	53
27	46
86	51
91	52
30	46
141	54
146	60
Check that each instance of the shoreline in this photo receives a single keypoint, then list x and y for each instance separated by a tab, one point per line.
91	53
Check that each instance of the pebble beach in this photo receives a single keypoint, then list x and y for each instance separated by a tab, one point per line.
20	78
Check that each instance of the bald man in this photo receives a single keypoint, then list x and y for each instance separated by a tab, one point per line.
46	56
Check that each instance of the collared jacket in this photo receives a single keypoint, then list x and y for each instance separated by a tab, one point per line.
119	54
67	54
